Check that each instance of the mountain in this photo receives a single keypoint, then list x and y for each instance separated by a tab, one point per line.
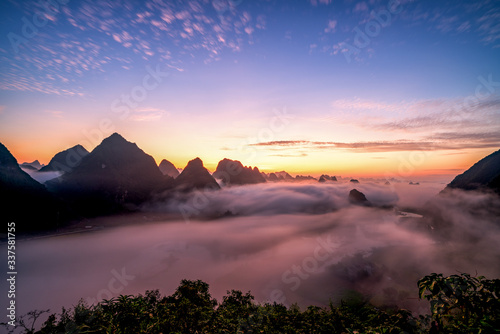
233	172
66	160
195	176
35	165
324	178
24	201
484	174
284	176
168	168
272	177
304	178
116	175
357	197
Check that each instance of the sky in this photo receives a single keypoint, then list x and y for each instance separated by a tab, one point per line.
396	88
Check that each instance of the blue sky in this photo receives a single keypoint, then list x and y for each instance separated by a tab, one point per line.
365	82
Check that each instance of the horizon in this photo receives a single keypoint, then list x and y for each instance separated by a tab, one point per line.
360	88
403	175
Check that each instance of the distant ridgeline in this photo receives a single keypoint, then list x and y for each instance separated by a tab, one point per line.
117	176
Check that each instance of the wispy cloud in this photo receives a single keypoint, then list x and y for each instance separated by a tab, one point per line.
282	143
426	144
320	2
55	113
147	114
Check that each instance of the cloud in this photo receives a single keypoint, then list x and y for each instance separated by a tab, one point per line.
282	143
489	26
146	114
431	143
360	7
287	238
320	2
358	104
472	114
87	38
332	24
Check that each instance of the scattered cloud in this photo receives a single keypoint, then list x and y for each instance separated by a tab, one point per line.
94	36
330	28
320	2
361	7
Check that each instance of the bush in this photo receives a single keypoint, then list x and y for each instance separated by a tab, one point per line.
459	304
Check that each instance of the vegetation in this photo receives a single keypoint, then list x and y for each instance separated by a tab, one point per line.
462	304
459	304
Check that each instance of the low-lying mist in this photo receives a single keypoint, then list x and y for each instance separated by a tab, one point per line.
290	243
42	177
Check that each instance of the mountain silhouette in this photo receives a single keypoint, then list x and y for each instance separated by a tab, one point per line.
35	165
304	178
24	201
195	176
358	198
324	178
284	176
66	160
233	172
484	174
273	177
116	175
168	168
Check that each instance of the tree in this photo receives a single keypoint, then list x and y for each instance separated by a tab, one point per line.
462	303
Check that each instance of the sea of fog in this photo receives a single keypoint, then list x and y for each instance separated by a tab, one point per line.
284	242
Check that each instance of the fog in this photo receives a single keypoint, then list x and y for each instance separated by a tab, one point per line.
290	243
42	177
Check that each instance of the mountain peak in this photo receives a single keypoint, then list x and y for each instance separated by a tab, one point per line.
196	163
168	168
114	139
66	160
195	176
233	172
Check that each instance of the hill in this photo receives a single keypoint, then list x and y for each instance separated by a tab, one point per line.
484	174
25	201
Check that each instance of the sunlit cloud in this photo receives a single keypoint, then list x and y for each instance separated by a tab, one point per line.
147	115
433	143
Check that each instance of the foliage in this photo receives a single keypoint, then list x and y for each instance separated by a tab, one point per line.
462	303
459	304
